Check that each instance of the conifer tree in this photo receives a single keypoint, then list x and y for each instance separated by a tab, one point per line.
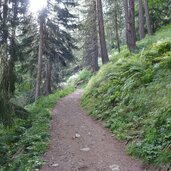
90	52
101	31
52	33
141	19
42	28
130	24
148	19
12	14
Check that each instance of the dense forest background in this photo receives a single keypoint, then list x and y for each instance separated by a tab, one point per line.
63	45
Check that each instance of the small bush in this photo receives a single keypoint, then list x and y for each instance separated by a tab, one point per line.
80	79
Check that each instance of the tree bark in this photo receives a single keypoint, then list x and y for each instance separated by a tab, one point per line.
130	24
94	63
116	28
148	20
101	31
4	25
48	77
13	53
126	20
95	55
141	20
90	53
40	55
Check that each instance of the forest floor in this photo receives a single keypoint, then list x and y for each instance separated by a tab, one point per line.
79	143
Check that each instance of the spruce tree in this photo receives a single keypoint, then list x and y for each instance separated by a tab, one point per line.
55	44
90	52
12	14
130	24
101	31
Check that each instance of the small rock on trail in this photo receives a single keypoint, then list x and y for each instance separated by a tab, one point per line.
55	165
85	149
114	167
94	149
77	135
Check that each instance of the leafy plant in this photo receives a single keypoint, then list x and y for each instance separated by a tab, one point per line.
81	78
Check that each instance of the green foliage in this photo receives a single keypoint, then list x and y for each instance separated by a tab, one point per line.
6	109
159	12
22	145
81	78
132	96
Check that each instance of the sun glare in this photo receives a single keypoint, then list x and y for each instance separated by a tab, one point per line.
37	5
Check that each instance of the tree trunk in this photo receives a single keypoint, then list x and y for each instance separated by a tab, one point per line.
126	20
95	55
12	60
90	53
94	64
48	77
13	53
148	20
0	10
141	20
4	25
101	31
40	55
116	27
130	24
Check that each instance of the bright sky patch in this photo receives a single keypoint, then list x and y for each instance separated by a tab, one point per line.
37	5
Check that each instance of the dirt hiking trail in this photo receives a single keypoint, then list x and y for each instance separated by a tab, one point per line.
79	143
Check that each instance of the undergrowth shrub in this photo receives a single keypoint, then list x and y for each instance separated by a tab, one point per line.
81	78
22	145
132	95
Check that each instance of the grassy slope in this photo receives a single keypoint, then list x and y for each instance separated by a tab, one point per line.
132	94
22	145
